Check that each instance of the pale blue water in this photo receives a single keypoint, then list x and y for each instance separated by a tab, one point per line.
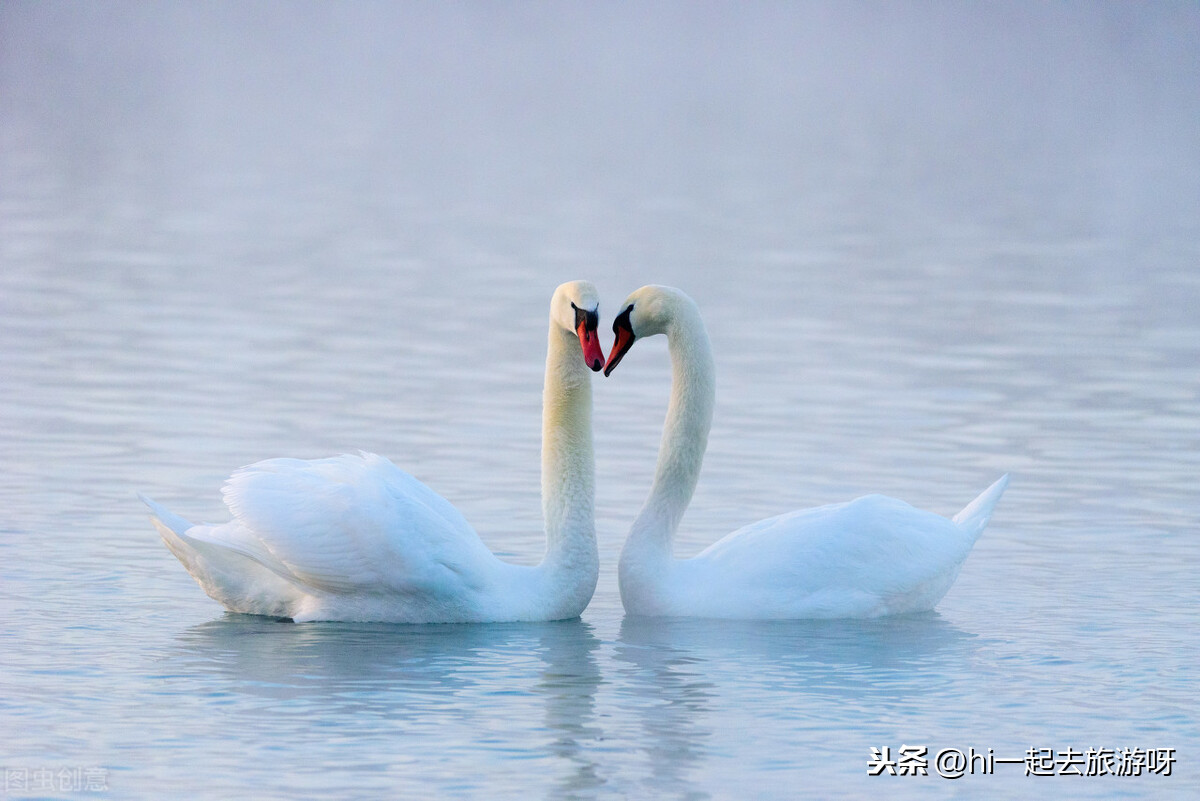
933	244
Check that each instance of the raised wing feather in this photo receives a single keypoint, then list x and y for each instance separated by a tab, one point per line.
352	523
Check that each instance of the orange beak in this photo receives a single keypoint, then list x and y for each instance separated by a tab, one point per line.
592	354
621	345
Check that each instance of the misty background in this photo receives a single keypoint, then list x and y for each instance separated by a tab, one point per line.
599	123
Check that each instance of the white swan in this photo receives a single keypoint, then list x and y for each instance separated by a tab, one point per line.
354	538
869	557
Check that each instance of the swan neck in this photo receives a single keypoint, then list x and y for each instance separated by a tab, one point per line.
568	470
685	433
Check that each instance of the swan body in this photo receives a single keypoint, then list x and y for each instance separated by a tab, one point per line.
355	538
869	557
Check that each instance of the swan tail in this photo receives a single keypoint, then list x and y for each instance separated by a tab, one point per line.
173	530
235	579
975	516
163	517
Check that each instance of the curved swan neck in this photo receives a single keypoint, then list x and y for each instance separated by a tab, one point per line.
568	470
685	431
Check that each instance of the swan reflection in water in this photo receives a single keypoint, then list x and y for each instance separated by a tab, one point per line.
415	685
861	659
420	700
667	688
688	678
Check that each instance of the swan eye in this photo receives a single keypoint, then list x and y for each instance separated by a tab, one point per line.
622	320
589	319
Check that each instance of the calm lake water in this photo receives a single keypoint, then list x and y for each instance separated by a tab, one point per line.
933	244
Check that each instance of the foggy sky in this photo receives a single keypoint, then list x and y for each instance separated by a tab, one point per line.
1087	113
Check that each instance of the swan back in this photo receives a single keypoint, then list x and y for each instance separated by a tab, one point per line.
349	523
870	556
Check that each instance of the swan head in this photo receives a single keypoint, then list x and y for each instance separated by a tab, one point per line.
575	307
648	311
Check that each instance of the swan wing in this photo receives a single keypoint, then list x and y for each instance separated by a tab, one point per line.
874	545
352	523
